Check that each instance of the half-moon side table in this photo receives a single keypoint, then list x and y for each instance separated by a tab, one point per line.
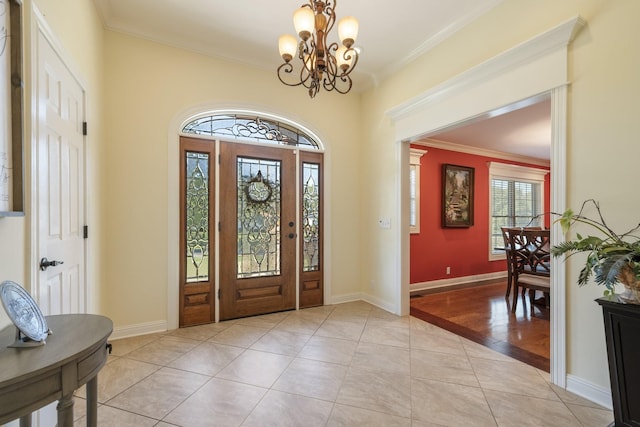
33	377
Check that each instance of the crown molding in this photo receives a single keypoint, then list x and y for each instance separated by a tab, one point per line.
436	39
450	146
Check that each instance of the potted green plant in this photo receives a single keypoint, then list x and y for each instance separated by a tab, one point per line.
611	257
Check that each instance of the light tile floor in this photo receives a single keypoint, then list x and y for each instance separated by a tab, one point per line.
345	365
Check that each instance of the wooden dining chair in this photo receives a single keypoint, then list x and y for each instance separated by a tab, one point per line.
507	249
530	260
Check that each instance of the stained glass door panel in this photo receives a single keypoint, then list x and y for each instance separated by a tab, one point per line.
311	265
197	301
257	230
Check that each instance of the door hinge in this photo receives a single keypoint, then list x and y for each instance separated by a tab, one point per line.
219	289
219	159
84	128
85	232
219	226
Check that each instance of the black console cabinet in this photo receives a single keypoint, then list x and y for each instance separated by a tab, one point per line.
622	330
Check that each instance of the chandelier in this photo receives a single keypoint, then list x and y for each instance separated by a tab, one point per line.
321	64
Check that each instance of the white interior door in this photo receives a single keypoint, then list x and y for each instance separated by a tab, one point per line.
60	209
59	181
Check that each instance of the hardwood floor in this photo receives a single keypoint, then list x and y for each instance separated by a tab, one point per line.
482	314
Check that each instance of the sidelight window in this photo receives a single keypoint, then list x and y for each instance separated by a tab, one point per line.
197	217
311	216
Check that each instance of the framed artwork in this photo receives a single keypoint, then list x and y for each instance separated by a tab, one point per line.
457	196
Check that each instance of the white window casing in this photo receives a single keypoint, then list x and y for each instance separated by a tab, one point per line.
415	156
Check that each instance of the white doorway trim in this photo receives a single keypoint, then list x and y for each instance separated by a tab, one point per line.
532	70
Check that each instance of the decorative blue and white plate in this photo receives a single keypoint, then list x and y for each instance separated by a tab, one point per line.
23	311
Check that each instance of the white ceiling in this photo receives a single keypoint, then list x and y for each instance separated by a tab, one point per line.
391	35
525	131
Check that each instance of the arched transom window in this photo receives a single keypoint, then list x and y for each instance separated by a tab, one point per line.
247	127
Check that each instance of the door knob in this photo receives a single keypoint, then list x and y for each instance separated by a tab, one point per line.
45	263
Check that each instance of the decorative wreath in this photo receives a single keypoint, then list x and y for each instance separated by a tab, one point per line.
258	189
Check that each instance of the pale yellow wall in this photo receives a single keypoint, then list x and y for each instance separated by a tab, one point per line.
11	256
602	142
603	150
148	85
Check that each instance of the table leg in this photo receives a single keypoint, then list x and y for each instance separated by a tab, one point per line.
65	411
92	402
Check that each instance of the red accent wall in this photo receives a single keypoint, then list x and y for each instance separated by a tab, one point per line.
464	250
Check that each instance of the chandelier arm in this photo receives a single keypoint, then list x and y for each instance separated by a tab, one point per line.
329	84
285	69
307	49
306	77
351	51
330	11
336	79
348	55
332	49
347	81
307	73
331	67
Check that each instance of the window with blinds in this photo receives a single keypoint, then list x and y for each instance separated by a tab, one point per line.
516	199
514	204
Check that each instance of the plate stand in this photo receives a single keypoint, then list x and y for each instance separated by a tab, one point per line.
24	341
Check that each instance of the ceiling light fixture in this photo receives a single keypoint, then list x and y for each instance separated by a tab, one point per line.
322	65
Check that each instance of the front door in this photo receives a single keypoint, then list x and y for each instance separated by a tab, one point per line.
258	230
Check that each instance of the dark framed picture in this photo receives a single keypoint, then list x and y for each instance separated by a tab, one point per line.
457	196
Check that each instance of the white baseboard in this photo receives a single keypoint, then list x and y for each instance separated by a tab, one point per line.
360	296
421	286
139	329
341	299
382	304
161	325
589	391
